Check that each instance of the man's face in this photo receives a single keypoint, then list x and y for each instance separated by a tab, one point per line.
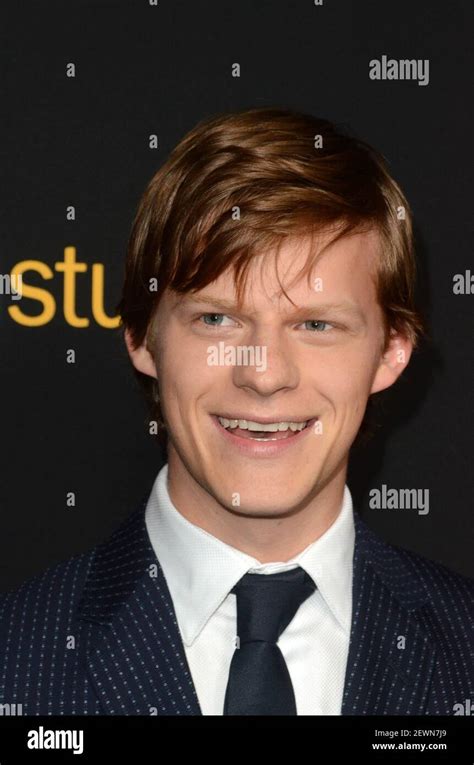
316	363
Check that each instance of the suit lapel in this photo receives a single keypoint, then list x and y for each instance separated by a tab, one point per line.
135	656
391	657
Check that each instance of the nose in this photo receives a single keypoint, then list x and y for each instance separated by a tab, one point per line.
274	369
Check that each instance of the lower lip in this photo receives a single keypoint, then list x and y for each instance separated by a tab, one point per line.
254	448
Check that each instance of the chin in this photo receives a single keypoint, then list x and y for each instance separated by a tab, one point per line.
279	501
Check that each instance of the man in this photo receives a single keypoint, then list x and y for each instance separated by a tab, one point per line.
268	295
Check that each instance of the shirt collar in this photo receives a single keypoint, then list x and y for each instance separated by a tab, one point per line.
190	557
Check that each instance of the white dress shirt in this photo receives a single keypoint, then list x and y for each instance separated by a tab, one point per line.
200	570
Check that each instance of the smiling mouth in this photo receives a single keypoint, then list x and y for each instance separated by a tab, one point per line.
258	431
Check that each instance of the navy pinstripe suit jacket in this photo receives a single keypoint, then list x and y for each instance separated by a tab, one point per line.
97	634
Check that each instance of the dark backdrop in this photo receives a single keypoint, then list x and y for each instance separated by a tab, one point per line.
83	141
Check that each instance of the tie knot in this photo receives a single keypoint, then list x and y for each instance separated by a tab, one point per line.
266	603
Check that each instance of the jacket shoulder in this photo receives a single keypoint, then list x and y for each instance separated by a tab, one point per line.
45	599
416	579
51	599
444	585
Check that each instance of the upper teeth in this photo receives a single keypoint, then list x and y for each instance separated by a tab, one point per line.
271	427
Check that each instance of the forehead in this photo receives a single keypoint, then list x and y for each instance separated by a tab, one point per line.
303	266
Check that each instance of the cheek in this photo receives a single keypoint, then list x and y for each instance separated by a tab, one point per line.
344	378
187	377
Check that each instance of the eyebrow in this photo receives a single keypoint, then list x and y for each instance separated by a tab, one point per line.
343	306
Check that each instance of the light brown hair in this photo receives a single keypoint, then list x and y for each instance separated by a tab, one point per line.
288	173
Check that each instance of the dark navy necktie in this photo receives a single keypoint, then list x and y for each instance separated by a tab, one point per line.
259	682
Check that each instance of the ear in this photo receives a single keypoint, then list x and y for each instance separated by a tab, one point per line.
393	362
141	357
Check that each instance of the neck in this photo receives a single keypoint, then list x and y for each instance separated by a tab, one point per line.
268	539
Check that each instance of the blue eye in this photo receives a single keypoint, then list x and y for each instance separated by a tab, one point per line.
212	316
321	325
